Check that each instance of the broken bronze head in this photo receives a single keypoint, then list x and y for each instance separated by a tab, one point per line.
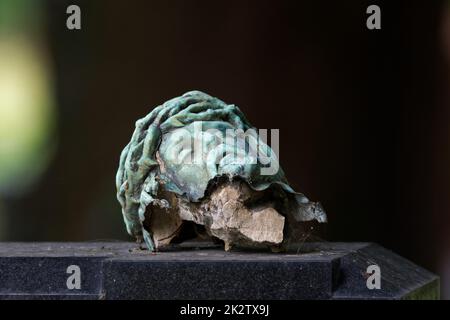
196	167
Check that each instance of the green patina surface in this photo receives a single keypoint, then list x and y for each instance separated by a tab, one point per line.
151	160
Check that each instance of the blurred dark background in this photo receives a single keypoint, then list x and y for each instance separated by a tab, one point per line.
363	114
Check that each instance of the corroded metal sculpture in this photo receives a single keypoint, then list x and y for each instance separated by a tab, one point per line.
196	167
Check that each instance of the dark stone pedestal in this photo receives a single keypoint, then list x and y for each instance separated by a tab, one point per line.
120	270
